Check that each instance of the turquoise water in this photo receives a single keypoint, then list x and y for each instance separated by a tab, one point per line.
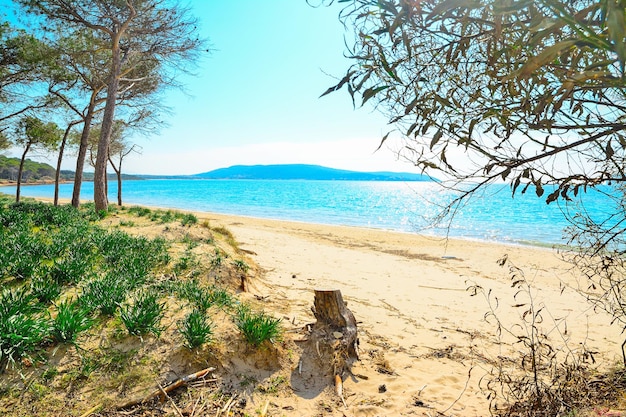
406	207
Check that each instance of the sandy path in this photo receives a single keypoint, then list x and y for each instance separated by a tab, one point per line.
409	293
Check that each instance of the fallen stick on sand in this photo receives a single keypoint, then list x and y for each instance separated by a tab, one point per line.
161	392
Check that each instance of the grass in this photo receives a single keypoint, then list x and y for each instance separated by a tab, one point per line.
144	314
196	329
217	259
203	298
104	294
45	289
23	326
188	219
228	235
68	280
257	327
241	266
72	319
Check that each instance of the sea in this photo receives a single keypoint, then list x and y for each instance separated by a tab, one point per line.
493	215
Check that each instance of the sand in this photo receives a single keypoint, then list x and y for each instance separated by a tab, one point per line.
426	343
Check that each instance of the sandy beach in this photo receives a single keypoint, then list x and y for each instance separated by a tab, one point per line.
426	343
427	346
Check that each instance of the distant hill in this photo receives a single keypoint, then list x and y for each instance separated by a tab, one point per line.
305	172
33	171
39	172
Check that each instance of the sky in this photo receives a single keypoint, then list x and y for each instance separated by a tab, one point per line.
255	98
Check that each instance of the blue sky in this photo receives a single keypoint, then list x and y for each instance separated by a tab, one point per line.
255	97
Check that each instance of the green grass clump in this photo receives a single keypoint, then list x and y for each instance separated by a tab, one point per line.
196	329
217	259
144	314
257	328
104	294
203	298
200	297
228	235
241	266
221	298
45	289
140	211
22	327
72	319
188	219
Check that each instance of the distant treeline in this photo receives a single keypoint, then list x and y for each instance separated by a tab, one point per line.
35	172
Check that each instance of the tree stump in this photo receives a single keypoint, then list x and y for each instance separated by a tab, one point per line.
335	332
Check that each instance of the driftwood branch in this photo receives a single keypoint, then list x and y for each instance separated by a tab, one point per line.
163	391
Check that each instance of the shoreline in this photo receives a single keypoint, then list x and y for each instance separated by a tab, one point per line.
525	244
360	204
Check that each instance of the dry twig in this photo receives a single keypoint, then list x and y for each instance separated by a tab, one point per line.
171	387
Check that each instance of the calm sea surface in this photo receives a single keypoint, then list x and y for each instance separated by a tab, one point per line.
400	206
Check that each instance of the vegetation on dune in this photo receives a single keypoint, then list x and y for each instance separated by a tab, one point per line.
69	284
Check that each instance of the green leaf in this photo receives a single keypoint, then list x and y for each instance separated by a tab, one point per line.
382	141
609	150
538	188
371	92
553	196
340	84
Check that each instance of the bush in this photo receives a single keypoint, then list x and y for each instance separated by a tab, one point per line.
144	314
257	327
196	329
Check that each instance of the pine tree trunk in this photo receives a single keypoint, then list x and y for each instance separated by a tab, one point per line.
99	182
82	151
19	174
